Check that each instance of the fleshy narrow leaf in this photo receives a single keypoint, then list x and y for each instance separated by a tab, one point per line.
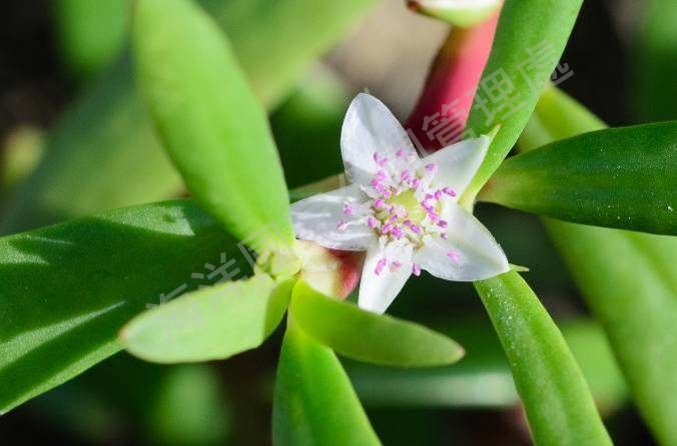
557	401
315	403
529	41
211	323
211	124
628	279
68	289
370	337
108	131
622	178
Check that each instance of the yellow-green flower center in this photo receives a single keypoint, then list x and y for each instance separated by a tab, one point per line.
407	200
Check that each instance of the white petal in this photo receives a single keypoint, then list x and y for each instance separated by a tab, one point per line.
475	253
368	128
458	163
377	291
317	218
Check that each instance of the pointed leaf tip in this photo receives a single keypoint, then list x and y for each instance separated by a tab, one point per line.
209	121
211	323
370	337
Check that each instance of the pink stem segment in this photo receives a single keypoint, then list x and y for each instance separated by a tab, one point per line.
451	84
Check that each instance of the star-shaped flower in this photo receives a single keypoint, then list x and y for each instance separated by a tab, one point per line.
400	208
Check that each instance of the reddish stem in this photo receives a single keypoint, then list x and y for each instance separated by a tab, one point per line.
451	84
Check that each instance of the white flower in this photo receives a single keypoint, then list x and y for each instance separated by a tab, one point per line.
400	208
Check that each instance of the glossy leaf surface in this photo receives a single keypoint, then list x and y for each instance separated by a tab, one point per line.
623	177
68	289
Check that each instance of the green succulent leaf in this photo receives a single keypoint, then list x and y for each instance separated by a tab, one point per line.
622	178
370	337
108	131
211	323
68	289
557	401
212	126
628	279
513	78
314	401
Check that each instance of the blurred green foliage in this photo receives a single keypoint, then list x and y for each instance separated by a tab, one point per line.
91	34
655	61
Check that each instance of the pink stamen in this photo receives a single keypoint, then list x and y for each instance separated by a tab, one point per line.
416	270
453	256
415	183
348	209
407	223
386	228
379	266
438	195
379	203
395	265
416	229
442	223
372	222
431	168
400	153
380	161
449	191
397	232
341	225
